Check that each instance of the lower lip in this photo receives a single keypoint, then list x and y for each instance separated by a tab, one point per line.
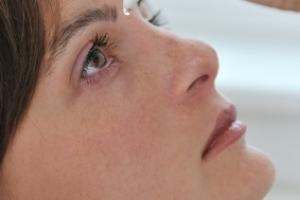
229	137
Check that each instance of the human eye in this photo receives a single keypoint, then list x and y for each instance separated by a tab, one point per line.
98	61
154	17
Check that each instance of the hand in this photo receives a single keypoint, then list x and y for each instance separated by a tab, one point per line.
281	4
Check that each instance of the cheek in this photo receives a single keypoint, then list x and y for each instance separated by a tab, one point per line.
130	135
126	155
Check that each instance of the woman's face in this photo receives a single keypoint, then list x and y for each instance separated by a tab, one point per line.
117	114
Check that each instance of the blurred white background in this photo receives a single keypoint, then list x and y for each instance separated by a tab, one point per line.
259	51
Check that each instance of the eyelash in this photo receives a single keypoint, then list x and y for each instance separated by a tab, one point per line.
104	43
157	19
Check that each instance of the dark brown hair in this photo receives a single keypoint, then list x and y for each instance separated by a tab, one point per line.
22	46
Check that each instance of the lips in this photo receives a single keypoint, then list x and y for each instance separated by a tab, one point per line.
226	132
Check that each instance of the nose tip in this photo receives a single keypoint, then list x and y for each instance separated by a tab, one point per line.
195	66
206	67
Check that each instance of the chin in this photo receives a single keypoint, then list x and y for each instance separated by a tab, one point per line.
260	174
240	173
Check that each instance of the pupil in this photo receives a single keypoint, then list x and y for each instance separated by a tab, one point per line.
97	59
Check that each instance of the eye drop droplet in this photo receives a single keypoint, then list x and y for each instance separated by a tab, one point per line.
126	11
127	5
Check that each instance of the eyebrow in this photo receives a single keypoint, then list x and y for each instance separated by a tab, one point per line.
70	29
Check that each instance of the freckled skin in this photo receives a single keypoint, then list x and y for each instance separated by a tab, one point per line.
137	134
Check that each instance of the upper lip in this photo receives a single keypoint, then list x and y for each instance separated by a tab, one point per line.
224	120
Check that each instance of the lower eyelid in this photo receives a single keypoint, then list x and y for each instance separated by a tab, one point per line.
104	75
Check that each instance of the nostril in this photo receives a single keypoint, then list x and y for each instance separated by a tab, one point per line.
199	81
204	78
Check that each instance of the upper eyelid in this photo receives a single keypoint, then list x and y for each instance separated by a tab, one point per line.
139	2
107	13
144	8
130	5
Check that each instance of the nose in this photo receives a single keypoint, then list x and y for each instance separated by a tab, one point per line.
196	67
